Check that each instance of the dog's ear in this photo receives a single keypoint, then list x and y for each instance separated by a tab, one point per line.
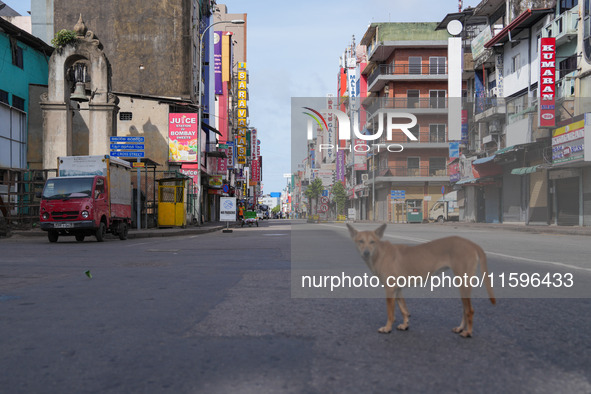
352	231
380	230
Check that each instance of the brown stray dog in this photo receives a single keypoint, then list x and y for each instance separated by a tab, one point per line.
387	260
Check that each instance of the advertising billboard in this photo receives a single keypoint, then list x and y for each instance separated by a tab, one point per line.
182	137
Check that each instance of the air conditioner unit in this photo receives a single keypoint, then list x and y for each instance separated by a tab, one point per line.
494	92
364	177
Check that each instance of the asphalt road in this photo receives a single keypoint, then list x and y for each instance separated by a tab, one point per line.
218	313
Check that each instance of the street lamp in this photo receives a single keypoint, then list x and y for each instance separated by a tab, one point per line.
200	111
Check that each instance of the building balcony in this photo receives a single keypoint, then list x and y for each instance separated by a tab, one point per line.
415	105
565	88
406	174
405	72
564	27
426	140
487	108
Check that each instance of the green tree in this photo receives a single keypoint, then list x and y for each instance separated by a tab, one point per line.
276	209
313	191
339	195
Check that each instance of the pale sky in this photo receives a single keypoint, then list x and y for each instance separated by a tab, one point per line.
293	51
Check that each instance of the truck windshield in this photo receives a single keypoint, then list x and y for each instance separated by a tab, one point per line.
63	188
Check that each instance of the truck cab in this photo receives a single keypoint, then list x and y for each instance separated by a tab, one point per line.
92	196
443	211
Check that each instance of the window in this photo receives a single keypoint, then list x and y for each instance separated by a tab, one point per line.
413	166
515	63
125	116
437	133
3	96
99	190
414	65
415	130
437	65
567	66
17	53
18	102
437	166
567	4
437	98
413	98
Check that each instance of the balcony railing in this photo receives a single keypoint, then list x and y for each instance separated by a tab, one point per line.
565	88
414	172
406	103
423	137
564	26
407	69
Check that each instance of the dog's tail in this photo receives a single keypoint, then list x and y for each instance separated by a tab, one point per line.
484	269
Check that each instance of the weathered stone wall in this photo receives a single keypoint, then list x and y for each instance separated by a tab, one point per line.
518	7
153	33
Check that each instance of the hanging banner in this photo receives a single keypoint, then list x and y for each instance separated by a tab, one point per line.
192	171
222	162
217	65
360	155
182	137
230	152
340	171
255	171
253	144
547	83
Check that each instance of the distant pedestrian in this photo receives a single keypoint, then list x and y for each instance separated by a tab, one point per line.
240	212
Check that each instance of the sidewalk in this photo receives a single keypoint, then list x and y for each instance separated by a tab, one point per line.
535	229
144	233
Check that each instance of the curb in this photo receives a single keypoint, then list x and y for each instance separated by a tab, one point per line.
136	234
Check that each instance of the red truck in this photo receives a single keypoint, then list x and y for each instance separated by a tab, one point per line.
90	196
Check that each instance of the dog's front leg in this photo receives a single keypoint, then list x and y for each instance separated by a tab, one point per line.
403	309
390	306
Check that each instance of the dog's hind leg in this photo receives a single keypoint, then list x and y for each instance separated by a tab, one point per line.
465	328
403	309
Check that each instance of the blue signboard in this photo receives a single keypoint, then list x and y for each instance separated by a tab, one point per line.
397	194
127	154
126	139
325	193
454	149
128	146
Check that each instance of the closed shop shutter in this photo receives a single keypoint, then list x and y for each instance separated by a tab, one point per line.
567	196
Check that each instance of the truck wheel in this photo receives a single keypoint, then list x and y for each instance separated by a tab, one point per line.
122	231
79	237
440	219
100	232
53	236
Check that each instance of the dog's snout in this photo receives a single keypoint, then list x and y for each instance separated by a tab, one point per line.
366	253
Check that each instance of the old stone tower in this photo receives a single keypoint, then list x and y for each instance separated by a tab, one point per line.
78	109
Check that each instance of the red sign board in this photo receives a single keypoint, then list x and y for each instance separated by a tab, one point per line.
547	84
255	171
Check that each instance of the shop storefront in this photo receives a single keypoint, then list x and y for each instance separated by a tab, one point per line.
570	175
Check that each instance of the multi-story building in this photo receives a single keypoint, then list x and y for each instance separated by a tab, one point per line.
518	167
407	72
24	71
23	78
